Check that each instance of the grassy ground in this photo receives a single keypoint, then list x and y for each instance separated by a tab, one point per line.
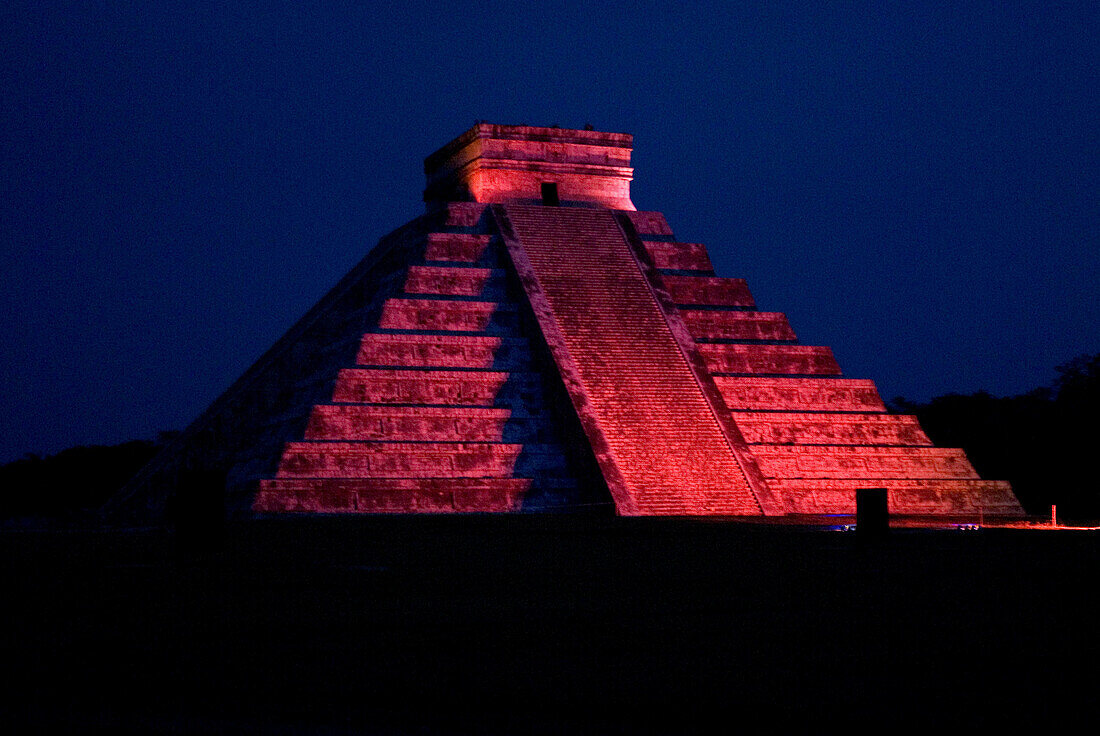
549	625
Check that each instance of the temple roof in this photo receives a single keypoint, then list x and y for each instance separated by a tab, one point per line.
510	164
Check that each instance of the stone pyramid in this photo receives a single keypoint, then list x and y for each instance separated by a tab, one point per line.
534	343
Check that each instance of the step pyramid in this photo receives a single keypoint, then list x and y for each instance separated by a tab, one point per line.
535	343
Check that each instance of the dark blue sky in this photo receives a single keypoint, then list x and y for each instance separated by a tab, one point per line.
916	187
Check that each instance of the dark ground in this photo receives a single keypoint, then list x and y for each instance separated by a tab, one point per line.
549	625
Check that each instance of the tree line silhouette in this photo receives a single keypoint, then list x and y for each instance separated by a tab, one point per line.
73	483
1040	441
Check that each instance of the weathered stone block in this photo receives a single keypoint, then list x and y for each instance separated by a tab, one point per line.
806	461
429	351
829	429
456	247
649	223
447	280
405	423
436	314
679	256
398	459
711	291
391	495
382	386
463	214
725	325
809	360
799	394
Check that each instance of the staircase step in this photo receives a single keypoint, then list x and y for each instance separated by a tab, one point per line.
830	429
904	496
391	495
455	387
770	359
799	394
429	351
462	214
420	423
456	247
679	256
415	459
844	461
706	324
441	314
649	223
710	291
447	280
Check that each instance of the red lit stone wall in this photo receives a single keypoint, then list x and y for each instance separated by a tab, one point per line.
810	360
447	280
445	351
821	428
456	247
679	256
709	290
497	163
722	325
799	394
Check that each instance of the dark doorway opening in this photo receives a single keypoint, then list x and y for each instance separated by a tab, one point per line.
550	194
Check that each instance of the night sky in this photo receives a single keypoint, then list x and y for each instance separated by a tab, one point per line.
916	187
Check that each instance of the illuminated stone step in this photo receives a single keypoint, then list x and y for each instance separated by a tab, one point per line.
401	386
799	394
462	214
420	423
432	351
649	223
830	461
679	256
442	314
447	280
712	291
904	496
830	429
773	359
416	459
456	247
706	324
391	495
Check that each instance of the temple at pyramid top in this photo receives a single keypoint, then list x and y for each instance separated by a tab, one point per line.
520	164
533	343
